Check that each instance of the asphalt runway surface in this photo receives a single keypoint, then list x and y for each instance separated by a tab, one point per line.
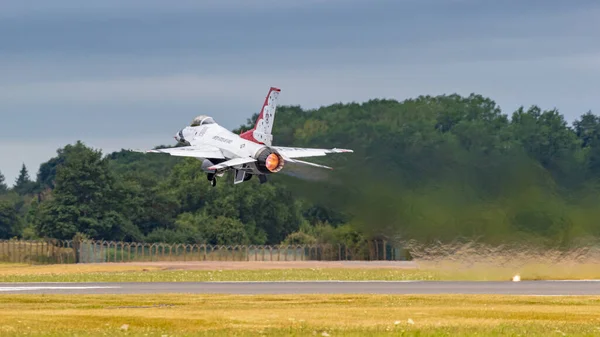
539	288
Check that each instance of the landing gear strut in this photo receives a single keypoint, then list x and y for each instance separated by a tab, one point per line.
212	178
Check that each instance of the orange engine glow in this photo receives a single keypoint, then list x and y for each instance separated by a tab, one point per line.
273	163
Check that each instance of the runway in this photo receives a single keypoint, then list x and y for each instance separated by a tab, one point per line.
540	288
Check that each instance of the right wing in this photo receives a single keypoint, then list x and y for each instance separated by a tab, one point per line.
201	151
300	152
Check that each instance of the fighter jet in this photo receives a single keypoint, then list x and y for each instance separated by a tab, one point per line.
249	154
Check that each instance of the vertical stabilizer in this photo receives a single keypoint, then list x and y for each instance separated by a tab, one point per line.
264	123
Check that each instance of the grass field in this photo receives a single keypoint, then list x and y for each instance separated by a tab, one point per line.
306	315
102	273
131	272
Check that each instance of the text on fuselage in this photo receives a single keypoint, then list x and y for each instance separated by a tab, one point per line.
221	139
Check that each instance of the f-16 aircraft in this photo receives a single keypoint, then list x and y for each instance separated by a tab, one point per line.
248	154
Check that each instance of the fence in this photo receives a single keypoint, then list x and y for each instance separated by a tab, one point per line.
91	251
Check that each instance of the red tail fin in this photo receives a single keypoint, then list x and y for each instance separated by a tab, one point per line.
261	133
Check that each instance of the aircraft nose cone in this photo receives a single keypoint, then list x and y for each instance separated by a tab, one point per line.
179	137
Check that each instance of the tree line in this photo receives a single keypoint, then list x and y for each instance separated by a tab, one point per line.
428	168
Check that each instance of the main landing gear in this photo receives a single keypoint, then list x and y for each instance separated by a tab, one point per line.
212	178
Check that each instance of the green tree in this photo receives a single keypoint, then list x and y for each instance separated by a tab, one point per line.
427	168
23	184
10	221
544	135
84	199
224	231
3	187
146	202
47	173
587	129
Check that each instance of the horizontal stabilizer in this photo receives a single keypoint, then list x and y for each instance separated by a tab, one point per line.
300	152
307	163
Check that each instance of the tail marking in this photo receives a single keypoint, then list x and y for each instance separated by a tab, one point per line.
261	133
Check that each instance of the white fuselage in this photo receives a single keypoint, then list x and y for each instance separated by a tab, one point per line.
245	155
231	145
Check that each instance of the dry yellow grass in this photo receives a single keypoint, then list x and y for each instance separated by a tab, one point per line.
441	269
303	315
62	269
472	260
528	270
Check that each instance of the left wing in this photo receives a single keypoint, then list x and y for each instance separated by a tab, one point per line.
201	151
231	163
299	152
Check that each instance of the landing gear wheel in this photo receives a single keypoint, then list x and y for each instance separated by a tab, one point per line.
210	176
213	182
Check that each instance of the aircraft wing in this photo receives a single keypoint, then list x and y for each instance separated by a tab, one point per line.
299	152
202	151
232	162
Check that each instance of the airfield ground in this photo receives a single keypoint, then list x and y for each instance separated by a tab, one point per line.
297	271
298	315
178	314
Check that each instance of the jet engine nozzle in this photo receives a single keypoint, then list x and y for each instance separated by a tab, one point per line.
269	161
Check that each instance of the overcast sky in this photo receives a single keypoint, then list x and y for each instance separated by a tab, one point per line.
129	74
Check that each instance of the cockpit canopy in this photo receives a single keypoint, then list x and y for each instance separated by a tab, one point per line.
202	120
